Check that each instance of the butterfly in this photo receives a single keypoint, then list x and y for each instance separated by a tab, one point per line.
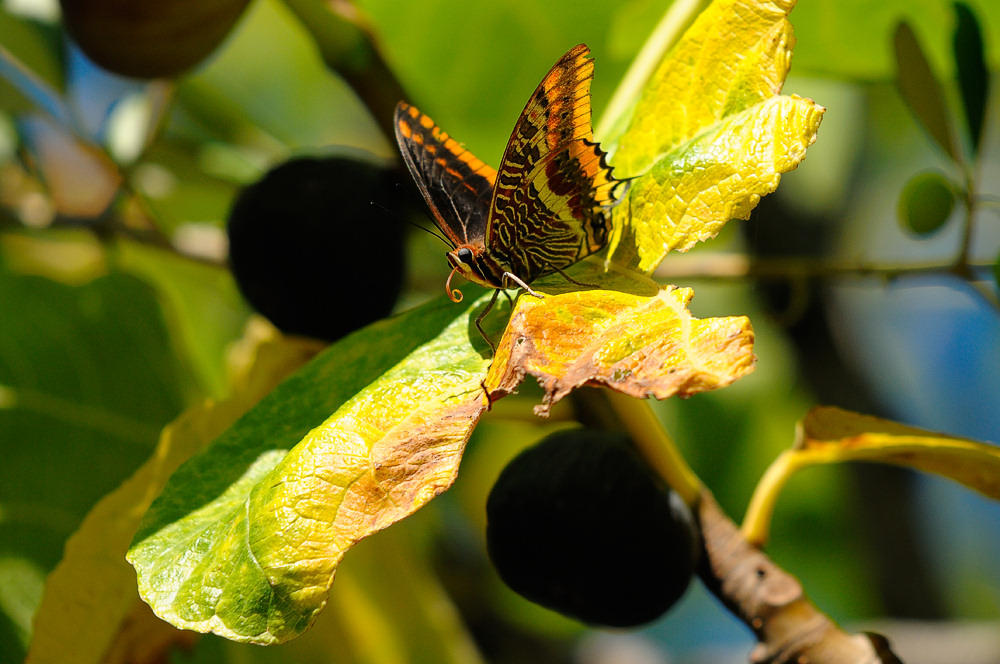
547	207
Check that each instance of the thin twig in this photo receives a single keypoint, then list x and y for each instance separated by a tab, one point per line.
739	266
735	267
769	600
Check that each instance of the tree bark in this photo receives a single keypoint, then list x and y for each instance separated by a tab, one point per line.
789	629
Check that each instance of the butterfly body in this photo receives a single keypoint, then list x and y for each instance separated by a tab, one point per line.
547	207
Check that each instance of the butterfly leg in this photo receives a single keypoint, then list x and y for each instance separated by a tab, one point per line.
511	277
572	280
493	349
481	316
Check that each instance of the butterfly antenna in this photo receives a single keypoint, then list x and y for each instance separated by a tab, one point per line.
465	227
395	216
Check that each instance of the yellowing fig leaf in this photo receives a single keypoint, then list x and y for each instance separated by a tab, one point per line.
833	435
641	341
90	605
709	135
830	435
735	55
246	537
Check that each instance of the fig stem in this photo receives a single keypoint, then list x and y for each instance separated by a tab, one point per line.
757	520
655	445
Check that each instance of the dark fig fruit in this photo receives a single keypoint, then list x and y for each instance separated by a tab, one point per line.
316	245
149	39
579	524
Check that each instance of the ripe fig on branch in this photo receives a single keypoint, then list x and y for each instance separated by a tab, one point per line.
579	524
150	39
316	245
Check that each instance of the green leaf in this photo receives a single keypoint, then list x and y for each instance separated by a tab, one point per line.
846	39
247	536
30	68
921	90
86	382
925	203
294	98
202	306
92	591
349	48
436	49
973	75
245	539
703	153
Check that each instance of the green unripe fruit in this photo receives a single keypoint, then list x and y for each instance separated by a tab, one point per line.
579	524
925	203
314	248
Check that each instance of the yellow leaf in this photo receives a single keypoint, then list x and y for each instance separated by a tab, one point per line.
734	56
832	435
691	193
640	343
709	135
246	538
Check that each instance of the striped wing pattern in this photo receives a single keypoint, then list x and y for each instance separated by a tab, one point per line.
456	185
551	198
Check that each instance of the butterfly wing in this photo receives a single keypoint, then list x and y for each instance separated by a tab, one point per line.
457	186
552	195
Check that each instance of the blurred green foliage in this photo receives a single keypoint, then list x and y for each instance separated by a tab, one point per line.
81	405
111	348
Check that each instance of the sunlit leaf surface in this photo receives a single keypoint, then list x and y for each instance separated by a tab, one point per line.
709	135
246	537
691	193
704	78
639	340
